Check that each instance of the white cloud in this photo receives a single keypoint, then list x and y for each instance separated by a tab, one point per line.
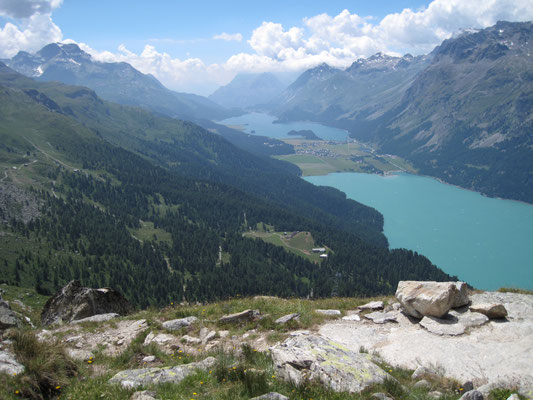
337	40
27	8
34	29
229	37
32	34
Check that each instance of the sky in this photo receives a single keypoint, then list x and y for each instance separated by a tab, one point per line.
197	46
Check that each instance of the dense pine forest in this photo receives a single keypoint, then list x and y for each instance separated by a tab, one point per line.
157	208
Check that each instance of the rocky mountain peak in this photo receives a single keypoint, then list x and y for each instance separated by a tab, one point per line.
473	45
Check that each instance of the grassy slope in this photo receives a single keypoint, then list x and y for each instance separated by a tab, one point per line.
239	374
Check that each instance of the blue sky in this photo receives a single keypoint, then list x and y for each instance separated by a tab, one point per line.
183	27
198	46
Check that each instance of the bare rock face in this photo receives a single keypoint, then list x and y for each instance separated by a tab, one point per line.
316	358
432	299
75	302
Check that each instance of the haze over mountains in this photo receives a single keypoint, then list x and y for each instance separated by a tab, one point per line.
246	90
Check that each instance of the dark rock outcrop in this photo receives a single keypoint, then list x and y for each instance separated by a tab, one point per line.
75	302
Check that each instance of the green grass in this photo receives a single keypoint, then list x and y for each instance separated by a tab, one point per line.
239	374
301	244
32	301
341	159
515	290
147	232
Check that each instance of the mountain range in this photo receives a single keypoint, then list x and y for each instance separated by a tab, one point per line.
116	82
463	113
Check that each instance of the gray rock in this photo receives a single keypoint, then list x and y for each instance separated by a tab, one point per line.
223	334
381	396
299	333
435	394
329	312
149	359
353	317
287	318
210	336
133	378
144	395
380	317
8	317
468	386
422	384
246	315
470	319
190	340
74	302
462	298
372	306
313	357
472	395
442	326
80	354
514	396
96	318
9	365
271	396
177	324
491	310
420	299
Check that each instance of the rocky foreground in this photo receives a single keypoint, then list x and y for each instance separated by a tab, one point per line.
401	348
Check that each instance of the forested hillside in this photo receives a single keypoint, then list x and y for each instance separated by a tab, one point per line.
156	208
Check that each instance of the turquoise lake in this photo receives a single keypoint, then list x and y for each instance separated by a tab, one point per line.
485	242
262	124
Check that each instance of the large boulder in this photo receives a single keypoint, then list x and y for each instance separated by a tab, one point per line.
431	299
74	302
313	357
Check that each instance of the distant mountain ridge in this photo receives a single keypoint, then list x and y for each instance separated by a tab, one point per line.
367	87
464	113
117	82
247	90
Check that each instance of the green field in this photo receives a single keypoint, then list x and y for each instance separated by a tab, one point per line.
147	232
315	157
300	243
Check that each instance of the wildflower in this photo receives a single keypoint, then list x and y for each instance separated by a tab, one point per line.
201	383
171	303
58	387
90	361
234	367
273	376
390	370
210	372
17	391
